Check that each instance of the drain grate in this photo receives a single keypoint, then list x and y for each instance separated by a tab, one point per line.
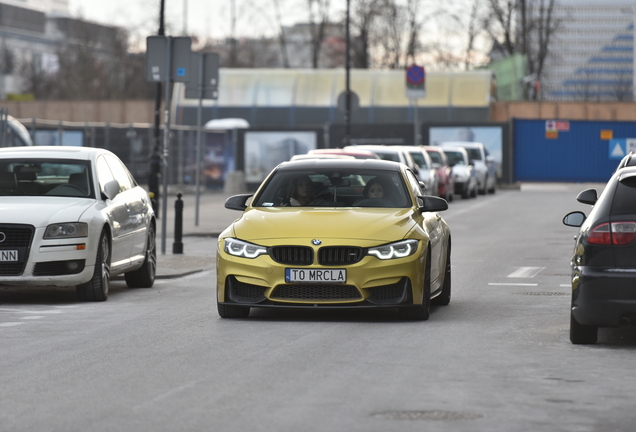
544	293
427	415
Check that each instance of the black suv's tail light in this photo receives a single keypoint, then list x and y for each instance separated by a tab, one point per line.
614	233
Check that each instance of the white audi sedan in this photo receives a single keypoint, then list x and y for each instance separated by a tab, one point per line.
73	216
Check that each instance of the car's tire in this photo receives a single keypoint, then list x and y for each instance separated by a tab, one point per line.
581	334
473	193
96	289
421	312
484	191
144	276
231	311
466	191
444	298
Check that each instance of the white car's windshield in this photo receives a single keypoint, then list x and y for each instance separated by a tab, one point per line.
36	177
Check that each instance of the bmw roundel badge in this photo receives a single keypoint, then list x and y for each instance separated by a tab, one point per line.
316	242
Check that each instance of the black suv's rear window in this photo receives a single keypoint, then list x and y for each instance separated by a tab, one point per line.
625	197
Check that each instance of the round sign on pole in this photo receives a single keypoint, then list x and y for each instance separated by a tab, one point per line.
342	101
415	82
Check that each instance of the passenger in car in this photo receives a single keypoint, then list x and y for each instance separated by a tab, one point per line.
299	191
373	189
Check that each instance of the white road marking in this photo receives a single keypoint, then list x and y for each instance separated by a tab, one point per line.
512	284
50	311
565	285
10	324
525	272
32	317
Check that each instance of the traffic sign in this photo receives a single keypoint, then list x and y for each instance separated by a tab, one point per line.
180	53
206	85
415	82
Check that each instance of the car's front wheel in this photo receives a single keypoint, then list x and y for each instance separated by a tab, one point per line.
96	289
581	334
144	276
231	311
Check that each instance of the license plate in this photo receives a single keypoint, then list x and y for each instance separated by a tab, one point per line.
316	275
9	255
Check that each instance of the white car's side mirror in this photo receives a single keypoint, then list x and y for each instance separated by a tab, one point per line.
111	189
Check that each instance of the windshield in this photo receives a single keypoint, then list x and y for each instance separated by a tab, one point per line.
334	188
455	158
436	157
418	158
37	177
473	154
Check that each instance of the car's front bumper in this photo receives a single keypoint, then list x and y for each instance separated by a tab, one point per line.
603	296
64	262
371	282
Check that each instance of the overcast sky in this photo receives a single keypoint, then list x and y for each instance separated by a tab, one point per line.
205	17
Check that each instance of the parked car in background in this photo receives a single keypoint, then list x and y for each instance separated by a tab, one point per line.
355	153
462	171
392	251
427	174
485	167
389	153
445	183
319	156
73	216
603	264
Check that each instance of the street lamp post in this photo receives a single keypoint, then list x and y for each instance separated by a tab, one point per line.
347	116
155	156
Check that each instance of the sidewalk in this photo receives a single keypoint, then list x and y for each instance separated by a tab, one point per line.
199	241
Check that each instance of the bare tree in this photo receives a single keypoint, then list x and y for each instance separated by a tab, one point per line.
526	27
281	34
318	22
363	21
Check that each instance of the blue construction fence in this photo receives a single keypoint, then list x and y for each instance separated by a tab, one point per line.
569	150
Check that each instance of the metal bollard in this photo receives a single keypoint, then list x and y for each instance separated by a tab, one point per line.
177	245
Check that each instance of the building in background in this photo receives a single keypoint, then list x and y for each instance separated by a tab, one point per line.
592	53
33	33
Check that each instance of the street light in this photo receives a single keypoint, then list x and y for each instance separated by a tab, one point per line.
155	157
347	116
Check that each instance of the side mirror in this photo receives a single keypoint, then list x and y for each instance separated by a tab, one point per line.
574	219
422	185
237	202
111	189
432	204
588	196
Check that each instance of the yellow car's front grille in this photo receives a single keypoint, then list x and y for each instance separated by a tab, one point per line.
316	292
340	255
294	255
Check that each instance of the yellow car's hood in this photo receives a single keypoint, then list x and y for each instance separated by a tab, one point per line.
376	224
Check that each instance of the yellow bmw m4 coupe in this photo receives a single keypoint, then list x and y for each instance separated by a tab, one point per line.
335	233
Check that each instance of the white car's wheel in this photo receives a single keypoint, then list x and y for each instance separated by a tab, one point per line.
96	289
144	276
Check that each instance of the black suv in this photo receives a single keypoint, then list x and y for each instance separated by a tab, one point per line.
604	260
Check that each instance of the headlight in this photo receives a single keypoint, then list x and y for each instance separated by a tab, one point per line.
243	249
66	230
395	250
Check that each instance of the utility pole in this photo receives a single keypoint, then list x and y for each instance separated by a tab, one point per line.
347	116
155	155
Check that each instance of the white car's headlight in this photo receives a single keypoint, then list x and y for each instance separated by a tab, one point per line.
66	230
243	249
395	250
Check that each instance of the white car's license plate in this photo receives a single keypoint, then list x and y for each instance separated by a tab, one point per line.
316	275
9	255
